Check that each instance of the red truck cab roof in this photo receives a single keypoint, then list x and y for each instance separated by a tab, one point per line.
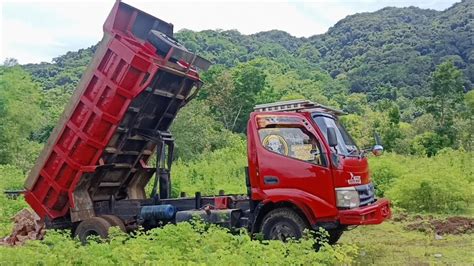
297	106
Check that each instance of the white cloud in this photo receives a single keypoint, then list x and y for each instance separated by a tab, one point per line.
37	31
48	30
57	27
25	42
247	18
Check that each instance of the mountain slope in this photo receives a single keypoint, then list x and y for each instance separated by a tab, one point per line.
384	54
398	47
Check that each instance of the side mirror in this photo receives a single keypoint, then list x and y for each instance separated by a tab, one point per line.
332	138
377	150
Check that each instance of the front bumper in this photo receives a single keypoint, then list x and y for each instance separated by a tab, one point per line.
375	213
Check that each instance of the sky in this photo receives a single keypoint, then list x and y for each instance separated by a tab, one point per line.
37	31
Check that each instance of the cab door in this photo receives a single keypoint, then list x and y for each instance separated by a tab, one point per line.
291	159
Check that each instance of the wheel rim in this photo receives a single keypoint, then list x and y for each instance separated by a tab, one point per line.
89	233
282	231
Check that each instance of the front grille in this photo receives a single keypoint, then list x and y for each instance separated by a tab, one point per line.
366	194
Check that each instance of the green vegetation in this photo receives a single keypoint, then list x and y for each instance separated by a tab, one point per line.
440	184
392	52
20	117
176	245
221	169
10	178
405	73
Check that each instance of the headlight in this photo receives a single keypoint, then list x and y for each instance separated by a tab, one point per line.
347	197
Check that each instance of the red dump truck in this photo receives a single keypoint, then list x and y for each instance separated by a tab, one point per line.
304	170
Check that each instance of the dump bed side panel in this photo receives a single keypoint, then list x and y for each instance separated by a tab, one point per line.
94	152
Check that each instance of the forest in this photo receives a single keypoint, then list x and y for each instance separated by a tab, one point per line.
405	73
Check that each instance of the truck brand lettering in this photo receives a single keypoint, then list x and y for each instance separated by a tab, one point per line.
354	180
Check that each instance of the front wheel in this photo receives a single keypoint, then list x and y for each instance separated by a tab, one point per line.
283	224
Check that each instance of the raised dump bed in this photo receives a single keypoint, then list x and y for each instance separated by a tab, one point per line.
123	106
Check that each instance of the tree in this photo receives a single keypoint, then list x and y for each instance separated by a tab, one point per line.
250	82
9	62
222	100
355	103
20	116
196	132
465	123
392	132
446	93
233	94
428	143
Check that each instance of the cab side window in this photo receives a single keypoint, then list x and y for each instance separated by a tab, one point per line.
292	142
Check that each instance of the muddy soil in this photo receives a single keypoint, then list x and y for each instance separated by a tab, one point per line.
453	225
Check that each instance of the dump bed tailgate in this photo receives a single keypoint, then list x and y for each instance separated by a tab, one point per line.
99	148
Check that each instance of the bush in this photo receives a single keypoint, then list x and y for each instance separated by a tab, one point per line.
439	184
176	245
196	132
220	169
383	172
428	143
10	178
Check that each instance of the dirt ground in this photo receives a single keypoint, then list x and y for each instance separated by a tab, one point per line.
415	240
451	225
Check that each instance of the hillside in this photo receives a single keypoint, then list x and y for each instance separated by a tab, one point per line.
378	66
398	47
384	53
391	49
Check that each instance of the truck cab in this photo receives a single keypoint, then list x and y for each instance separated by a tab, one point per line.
303	160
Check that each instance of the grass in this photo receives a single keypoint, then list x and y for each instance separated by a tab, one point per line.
389	243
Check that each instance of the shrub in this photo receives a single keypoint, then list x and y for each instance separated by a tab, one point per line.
11	177
440	184
428	143
384	171
176	245
220	169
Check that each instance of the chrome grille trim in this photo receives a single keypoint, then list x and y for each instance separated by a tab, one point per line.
366	194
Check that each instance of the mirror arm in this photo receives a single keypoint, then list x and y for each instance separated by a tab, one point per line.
364	152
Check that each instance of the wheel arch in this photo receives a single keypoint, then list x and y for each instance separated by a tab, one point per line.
264	207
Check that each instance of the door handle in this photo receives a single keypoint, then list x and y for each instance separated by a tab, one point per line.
270	180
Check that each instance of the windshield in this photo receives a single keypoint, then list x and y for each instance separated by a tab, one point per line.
345	143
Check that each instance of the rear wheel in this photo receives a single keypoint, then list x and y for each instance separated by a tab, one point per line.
115	221
95	226
283	224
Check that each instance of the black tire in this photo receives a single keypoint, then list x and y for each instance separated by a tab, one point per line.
115	221
97	226
163	42
282	224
